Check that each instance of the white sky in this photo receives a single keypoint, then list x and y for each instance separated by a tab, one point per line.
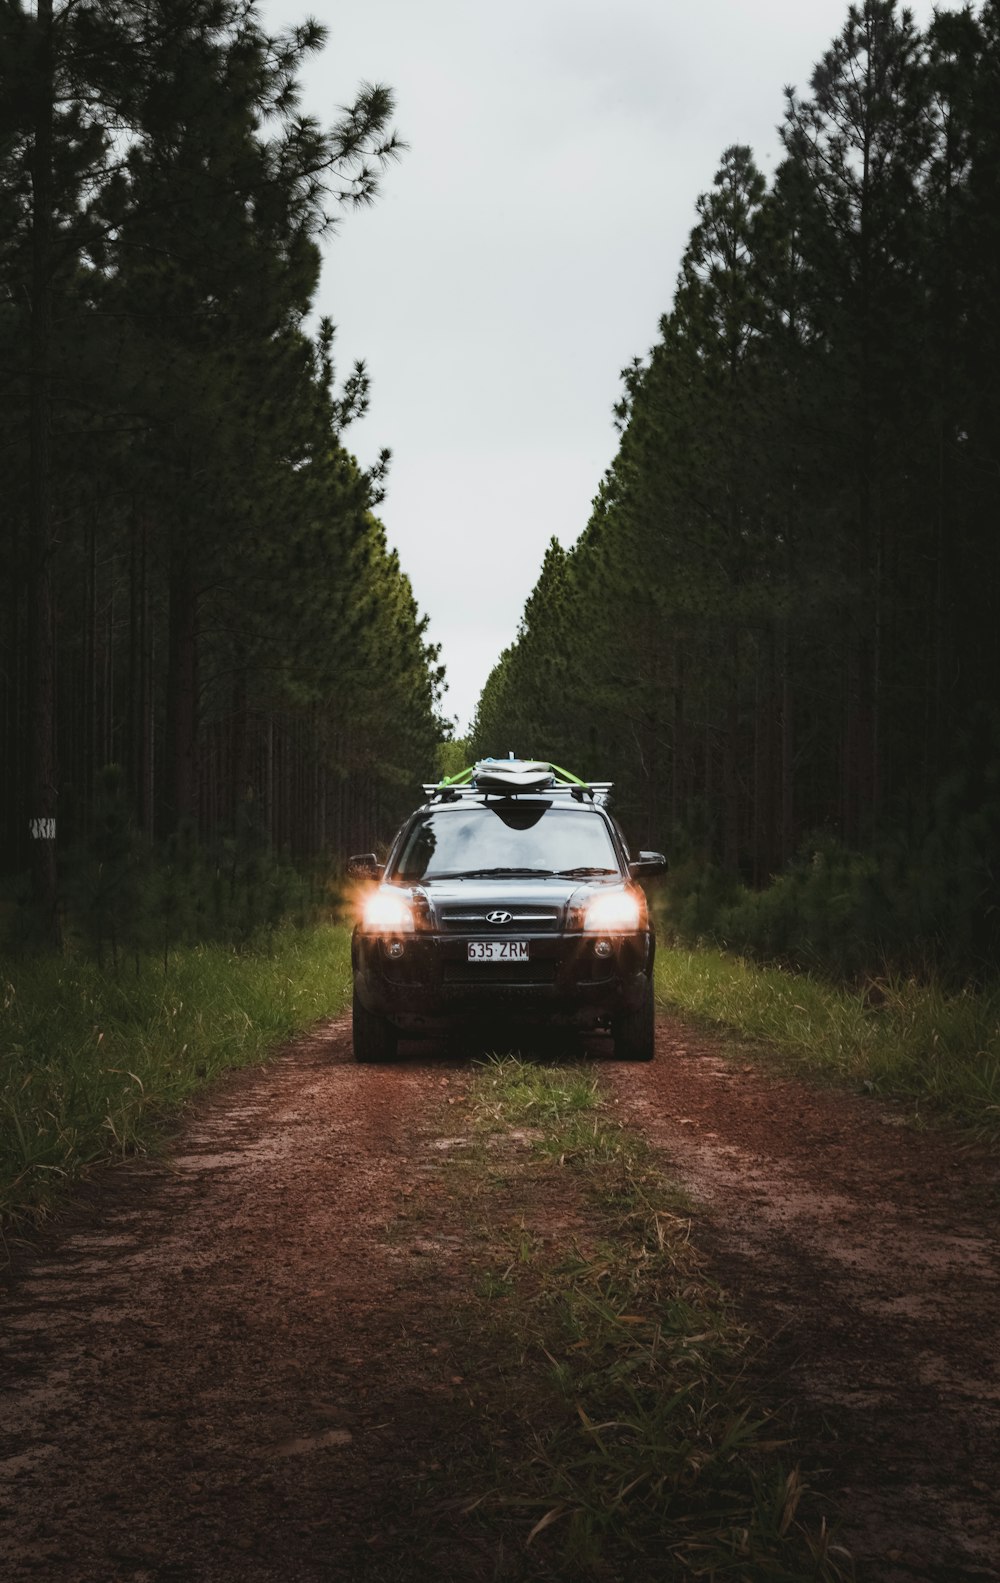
522	253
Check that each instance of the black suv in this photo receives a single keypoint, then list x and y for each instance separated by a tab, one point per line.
509	895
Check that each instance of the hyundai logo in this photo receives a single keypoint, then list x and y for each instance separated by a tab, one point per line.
499	917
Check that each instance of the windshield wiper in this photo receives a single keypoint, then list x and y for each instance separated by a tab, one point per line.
490	873
583	872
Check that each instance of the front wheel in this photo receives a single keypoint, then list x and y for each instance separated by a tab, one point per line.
633	1031
373	1036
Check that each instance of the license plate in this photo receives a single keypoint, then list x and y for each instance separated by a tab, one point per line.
498	950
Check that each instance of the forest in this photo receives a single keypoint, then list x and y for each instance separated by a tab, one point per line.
778	632
206	644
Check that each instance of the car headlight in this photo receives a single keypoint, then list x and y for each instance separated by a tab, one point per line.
616	912
386	912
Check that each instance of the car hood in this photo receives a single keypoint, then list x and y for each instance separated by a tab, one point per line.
509	892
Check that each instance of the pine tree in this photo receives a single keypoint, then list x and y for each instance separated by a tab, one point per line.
862	142
214	556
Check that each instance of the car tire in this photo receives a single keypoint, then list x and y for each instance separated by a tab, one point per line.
633	1031
373	1036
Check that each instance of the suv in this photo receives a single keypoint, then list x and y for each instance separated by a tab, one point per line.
510	895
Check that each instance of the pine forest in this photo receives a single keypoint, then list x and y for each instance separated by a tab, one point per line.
205	642
777	633
779	630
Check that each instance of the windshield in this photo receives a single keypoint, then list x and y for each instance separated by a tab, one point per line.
506	838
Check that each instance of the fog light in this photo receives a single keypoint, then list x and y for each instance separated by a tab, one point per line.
602	947
394	950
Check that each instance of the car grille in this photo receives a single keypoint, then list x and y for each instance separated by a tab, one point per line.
486	975
472	921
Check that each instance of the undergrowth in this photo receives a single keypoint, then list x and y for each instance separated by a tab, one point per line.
624	1441
896	1037
93	1062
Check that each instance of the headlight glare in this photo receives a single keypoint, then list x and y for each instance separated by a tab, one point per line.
616	912
386	912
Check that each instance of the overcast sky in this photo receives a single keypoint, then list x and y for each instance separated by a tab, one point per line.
522	252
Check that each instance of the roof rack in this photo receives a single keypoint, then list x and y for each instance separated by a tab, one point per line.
511	777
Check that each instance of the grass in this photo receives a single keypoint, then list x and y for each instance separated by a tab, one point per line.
894	1037
625	1442
93	1063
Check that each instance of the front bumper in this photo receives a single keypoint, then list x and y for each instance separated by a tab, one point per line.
432	985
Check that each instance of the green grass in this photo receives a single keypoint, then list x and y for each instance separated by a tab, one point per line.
92	1063
895	1037
625	1442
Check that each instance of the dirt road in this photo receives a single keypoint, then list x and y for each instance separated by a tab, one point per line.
867	1256
226	1364
232	1364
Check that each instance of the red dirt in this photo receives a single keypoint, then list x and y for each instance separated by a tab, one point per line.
222	1367
226	1364
867	1256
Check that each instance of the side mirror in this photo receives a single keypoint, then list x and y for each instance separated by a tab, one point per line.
647	864
364	865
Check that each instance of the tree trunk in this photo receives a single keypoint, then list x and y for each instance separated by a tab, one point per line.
730	749
42	772
144	744
786	844
181	791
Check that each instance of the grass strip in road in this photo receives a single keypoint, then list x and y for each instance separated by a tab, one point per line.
608	1367
92	1063
895	1037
